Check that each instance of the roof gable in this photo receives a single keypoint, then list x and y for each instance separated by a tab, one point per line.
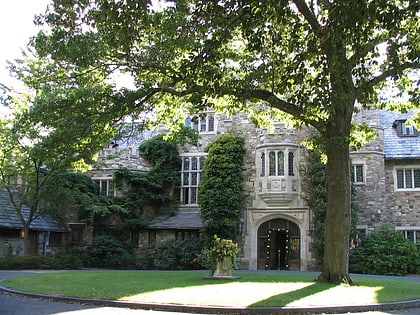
395	146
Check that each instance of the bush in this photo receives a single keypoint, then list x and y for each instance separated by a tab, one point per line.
70	258
11	262
386	252
108	252
175	255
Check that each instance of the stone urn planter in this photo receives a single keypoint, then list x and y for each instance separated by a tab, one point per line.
224	267
223	256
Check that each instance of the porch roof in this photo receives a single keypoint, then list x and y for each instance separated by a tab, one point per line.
181	220
10	220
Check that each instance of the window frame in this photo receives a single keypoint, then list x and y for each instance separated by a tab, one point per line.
414	229
354	173
405	169
269	164
190	179
203	125
109	189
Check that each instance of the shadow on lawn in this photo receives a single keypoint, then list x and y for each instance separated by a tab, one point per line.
285	299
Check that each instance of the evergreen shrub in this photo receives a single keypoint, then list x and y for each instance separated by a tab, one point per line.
108	252
386	252
221	186
174	254
12	262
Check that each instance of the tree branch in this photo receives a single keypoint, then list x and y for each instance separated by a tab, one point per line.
386	74
309	16
287	107
364	50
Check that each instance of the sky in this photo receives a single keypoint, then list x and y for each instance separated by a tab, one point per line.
16	26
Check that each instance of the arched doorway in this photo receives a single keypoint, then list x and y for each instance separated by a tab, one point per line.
279	245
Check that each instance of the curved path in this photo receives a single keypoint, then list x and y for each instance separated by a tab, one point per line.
14	302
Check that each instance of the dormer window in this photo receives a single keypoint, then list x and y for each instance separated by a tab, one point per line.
405	130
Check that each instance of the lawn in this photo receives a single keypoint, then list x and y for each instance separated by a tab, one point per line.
252	289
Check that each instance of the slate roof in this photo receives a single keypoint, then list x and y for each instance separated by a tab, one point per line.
396	147
9	218
181	220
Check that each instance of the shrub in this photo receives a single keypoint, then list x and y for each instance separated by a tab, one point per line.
386	252
70	258
108	252
176	255
12	262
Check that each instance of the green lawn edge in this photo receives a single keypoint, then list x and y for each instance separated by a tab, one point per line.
251	289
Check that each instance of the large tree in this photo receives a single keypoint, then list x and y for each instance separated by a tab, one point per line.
310	60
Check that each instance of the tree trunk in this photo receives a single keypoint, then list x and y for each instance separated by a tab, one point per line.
338	217
26	243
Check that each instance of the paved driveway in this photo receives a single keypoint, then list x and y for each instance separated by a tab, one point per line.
16	305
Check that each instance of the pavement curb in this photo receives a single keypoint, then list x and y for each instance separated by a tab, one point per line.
219	310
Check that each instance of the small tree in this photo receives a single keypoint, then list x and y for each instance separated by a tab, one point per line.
221	186
33	154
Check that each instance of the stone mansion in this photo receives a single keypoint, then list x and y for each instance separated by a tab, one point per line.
276	220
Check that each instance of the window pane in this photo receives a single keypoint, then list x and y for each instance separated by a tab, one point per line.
400	179
194	163
186	164
104	187
185	195
417	178
194	179
291	161
193	195
410	235
203	125
111	188
280	163
272	164
359	173
263	164
185	179
408	179
211	123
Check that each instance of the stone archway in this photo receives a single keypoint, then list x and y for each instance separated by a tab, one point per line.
278	245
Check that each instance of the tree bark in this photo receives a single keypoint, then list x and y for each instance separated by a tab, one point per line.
338	217
26	240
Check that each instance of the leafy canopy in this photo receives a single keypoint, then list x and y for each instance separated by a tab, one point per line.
305	58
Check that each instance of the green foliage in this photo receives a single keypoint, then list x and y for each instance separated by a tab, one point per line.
155	186
71	191
386	252
174	255
221	186
12	262
108	252
69	259
224	248
316	189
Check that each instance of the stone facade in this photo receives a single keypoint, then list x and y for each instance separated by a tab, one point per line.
274	229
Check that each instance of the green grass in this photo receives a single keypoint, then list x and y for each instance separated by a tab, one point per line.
191	288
